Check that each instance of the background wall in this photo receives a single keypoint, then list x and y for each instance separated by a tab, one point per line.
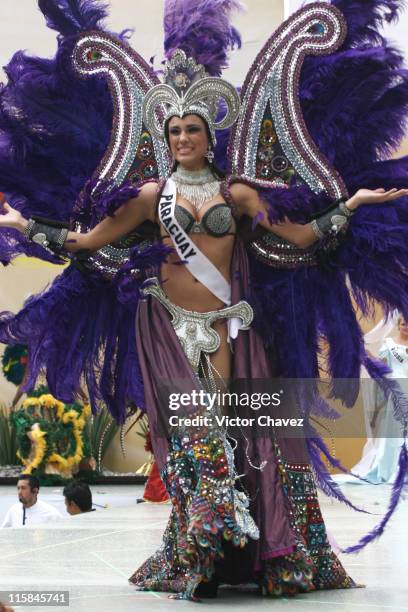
22	27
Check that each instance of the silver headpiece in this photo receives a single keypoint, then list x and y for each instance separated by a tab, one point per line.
188	90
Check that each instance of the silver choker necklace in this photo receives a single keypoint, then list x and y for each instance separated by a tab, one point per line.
196	186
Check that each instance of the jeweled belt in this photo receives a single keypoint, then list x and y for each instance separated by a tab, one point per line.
193	329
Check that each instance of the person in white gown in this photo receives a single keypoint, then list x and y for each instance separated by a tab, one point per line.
379	461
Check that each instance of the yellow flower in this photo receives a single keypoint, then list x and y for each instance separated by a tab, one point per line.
38	448
31	401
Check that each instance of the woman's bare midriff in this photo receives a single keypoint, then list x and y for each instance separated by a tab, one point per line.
184	290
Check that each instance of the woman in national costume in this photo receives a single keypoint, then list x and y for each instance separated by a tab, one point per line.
169	251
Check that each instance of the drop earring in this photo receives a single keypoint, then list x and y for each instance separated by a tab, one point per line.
210	155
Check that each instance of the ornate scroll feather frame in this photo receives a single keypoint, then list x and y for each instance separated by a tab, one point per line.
273	80
129	78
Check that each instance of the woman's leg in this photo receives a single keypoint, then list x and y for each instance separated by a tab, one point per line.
222	358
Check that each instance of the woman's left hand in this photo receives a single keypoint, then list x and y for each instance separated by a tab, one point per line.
374	196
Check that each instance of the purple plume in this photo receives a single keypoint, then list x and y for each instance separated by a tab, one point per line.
365	18
201	29
99	199
355	101
78	331
375	259
391	389
320	446
142	259
82	328
399	488
324	480
69	17
54	126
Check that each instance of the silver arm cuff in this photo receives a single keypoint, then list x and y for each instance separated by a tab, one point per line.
346	211
332	221
47	236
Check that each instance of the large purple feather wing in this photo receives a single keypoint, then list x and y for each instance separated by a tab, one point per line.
55	129
354	103
338	105
54	126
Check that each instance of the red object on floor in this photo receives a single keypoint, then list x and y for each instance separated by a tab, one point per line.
155	491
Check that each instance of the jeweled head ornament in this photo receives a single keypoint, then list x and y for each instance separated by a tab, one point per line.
188	90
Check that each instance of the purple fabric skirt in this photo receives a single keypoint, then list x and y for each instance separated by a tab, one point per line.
162	358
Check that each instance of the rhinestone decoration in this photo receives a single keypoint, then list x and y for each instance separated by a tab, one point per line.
187	89
218	220
272	87
194	329
270	145
132	153
129	78
278	253
109	259
198	187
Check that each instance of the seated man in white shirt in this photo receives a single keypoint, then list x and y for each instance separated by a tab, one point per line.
29	511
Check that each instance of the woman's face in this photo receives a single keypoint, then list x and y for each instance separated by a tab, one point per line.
188	141
402	326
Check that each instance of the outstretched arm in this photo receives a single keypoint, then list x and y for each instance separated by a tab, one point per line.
249	203
126	218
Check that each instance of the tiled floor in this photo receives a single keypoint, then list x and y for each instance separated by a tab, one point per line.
92	555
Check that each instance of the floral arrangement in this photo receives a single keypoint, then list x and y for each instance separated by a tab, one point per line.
47	435
51	435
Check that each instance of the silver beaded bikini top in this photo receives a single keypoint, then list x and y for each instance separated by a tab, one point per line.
216	221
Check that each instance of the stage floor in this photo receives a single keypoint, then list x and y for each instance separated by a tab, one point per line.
92	555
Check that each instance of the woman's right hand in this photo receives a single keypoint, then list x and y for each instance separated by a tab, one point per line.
10	217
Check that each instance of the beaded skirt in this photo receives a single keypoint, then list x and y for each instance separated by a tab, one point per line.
209	533
202	538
